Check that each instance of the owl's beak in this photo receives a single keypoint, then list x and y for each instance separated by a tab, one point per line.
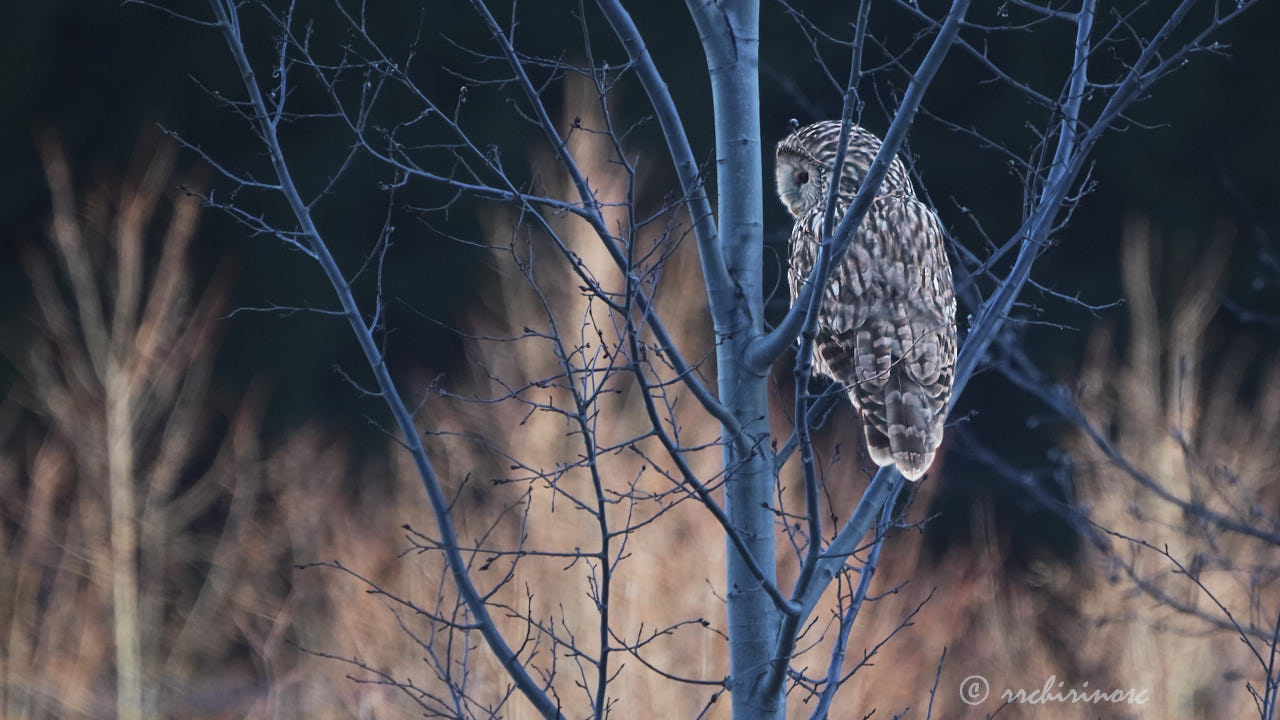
791	198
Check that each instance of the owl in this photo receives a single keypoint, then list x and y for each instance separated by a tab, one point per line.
886	326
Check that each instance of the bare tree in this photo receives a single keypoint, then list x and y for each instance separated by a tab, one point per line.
611	348
110	514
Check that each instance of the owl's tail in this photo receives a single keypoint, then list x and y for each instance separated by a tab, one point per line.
911	439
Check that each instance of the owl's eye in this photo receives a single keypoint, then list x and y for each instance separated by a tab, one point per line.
801	177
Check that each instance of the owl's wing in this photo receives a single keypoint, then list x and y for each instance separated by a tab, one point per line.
887	331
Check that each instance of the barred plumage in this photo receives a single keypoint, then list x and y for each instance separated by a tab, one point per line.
886	328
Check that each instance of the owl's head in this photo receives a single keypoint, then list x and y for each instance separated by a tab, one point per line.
806	156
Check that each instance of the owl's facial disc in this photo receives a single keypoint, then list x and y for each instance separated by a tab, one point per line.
798	184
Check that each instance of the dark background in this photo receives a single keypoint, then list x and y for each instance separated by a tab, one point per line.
98	74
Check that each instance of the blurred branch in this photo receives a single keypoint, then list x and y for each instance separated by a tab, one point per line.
1018	369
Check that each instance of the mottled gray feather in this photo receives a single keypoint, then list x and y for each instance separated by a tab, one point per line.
886	329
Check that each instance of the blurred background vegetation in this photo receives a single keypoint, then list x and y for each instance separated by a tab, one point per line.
250	454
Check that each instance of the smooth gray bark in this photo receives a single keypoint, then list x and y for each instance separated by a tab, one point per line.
730	36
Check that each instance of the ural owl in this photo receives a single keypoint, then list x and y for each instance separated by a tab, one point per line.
886	327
